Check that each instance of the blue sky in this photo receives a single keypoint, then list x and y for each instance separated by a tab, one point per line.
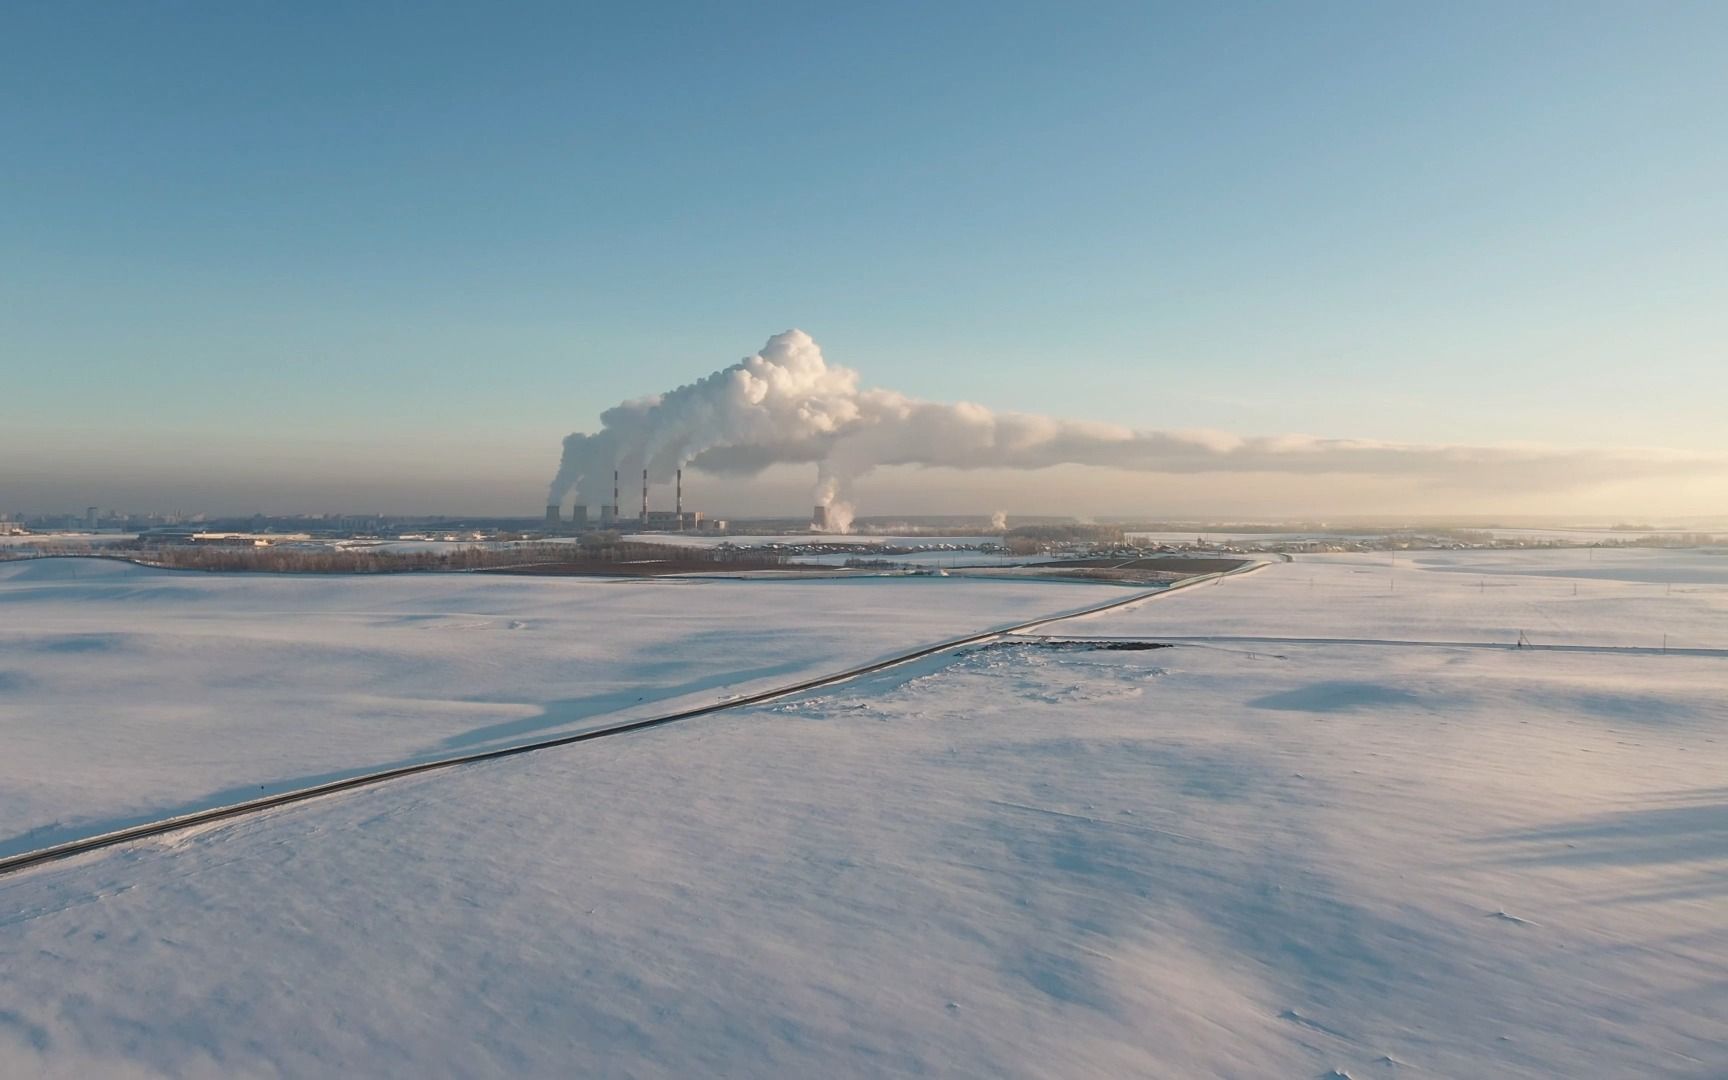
404	248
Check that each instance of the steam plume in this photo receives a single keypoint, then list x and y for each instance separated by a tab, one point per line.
787	405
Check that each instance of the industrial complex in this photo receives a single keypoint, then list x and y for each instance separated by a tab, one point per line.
676	519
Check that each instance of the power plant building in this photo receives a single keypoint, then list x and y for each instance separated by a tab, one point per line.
677	519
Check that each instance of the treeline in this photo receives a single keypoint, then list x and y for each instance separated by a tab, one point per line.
1673	540
1031	539
595	554
289	560
1066	534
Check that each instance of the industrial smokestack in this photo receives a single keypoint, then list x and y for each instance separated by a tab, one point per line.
678	507
644	496
609	512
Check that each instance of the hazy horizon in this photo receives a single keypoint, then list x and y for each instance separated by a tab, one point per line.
1458	262
784	492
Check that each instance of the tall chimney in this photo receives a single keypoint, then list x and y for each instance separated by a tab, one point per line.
614	492
679	505
644	496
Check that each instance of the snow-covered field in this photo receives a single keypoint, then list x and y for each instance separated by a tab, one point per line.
855	539
78	539
444	547
129	693
1229	858
1595	536
1211	537
917	558
1633	598
1531	536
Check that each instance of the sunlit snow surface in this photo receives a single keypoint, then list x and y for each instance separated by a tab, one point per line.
1631	598
129	693
1229	858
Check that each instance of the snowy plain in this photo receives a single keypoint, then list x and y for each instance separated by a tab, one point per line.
77	539
1624	598
129	693
1030	859
1579	536
860	540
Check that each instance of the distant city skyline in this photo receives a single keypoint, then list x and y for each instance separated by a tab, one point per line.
384	259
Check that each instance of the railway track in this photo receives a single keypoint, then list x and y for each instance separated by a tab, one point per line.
25	860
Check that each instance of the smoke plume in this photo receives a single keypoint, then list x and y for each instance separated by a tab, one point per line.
839	512
787	405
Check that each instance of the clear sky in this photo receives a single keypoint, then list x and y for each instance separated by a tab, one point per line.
358	256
